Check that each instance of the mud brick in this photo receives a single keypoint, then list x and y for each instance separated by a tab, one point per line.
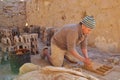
21	39
26	38
16	39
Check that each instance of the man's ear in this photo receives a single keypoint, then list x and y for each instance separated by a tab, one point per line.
83	27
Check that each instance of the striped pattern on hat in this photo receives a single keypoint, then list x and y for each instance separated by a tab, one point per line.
89	22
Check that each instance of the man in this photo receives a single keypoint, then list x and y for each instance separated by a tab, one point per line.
64	41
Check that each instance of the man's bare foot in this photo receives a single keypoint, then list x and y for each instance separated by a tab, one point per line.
44	52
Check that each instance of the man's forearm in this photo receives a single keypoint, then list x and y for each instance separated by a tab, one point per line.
84	52
76	54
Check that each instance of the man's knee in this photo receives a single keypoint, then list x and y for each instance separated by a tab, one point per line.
71	58
72	61
57	63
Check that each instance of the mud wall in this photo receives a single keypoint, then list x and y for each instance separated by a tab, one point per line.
12	13
59	12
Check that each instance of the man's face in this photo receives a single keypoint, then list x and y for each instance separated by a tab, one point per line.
86	30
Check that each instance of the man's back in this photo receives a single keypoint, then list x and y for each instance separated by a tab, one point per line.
67	33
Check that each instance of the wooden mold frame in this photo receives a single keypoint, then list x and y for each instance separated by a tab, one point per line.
100	69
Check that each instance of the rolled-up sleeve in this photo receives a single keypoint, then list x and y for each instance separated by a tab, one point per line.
71	40
83	44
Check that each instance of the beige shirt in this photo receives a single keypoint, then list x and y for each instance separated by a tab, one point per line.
69	36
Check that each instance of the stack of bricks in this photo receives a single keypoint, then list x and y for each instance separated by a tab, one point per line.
34	43
24	40
27	41
13	40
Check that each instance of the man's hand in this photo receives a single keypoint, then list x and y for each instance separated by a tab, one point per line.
87	61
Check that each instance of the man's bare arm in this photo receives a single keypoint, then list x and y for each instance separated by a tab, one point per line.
84	52
76	54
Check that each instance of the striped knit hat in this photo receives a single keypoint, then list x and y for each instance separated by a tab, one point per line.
89	22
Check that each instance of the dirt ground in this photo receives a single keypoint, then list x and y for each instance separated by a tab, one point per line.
94	53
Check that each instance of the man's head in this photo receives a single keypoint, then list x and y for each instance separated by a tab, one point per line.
88	23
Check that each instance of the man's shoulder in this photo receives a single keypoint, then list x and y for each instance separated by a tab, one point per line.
70	25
